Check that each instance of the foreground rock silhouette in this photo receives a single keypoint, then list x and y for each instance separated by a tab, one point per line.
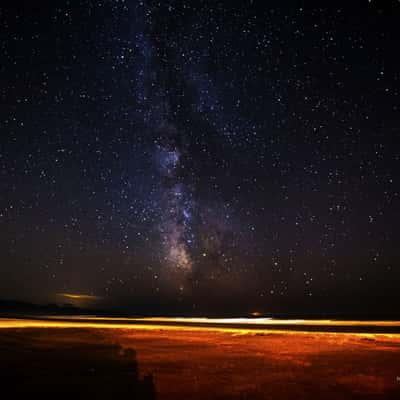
32	369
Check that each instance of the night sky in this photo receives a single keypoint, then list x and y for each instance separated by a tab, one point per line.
201	157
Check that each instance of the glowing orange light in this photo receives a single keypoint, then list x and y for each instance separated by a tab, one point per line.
77	296
256	314
186	324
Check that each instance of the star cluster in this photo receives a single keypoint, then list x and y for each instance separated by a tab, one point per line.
201	156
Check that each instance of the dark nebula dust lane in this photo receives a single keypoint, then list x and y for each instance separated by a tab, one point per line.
201	157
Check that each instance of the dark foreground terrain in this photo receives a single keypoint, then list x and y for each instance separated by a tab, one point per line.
72	364
164	362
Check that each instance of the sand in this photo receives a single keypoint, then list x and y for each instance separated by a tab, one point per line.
210	364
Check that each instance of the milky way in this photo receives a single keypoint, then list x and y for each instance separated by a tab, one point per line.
201	156
175	227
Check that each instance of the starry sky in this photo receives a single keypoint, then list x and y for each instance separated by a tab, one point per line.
201	157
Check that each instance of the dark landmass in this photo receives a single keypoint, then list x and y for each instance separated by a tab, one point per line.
15	308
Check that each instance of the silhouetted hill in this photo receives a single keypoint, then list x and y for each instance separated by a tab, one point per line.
14	308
